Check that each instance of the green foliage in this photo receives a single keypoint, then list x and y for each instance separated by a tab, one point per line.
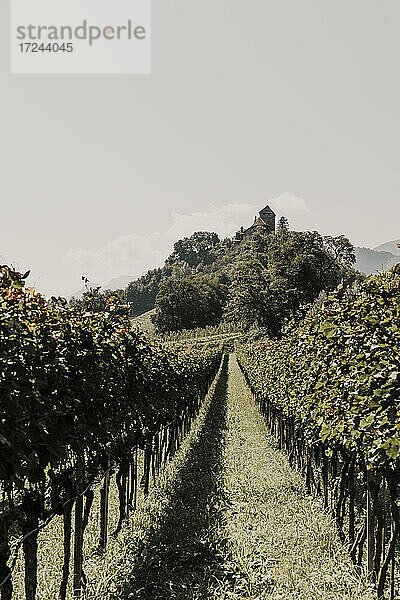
254	300
189	303
338	373
283	226
289	271
196	250
77	382
94	300
142	293
12	279
190	256
270	277
305	263
340	249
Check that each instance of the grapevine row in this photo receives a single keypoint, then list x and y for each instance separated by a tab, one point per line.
329	390
80	393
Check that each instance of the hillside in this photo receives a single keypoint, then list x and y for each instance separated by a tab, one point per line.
369	261
204	253
391	247
258	280
145	323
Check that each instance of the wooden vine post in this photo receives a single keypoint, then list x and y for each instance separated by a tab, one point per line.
351	501
393	563
147	463
308	469
370	526
134	482
30	545
104	495
5	573
122	480
67	527
78	541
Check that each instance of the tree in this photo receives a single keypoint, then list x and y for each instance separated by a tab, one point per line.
142	293
283	225
190	256
341	249
279	274
95	301
305	265
189	303
254	300
195	250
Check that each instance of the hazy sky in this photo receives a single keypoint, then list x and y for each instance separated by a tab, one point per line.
247	101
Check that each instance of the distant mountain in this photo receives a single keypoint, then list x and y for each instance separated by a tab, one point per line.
389	247
369	261
118	283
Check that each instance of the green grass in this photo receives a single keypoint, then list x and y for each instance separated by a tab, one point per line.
145	323
50	554
285	546
175	555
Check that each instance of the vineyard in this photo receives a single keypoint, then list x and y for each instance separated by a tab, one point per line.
329	391
80	394
91	409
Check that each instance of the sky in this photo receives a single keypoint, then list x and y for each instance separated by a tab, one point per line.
287	102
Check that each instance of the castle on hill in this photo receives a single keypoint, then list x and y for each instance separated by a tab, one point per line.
266	220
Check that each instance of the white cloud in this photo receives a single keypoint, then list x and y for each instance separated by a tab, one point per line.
126	255
295	209
224	220
134	254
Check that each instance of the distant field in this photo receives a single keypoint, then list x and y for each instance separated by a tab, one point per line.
208	334
144	321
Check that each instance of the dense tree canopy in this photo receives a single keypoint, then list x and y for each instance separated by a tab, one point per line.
142	293
190	256
307	263
195	250
259	281
290	270
253	299
189	303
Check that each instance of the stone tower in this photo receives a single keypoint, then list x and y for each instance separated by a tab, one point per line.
268	216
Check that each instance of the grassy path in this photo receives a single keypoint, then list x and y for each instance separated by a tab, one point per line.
283	544
232	520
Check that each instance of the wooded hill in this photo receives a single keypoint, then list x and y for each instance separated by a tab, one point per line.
260	281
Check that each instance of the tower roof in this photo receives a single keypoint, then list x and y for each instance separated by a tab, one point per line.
258	222
267	209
